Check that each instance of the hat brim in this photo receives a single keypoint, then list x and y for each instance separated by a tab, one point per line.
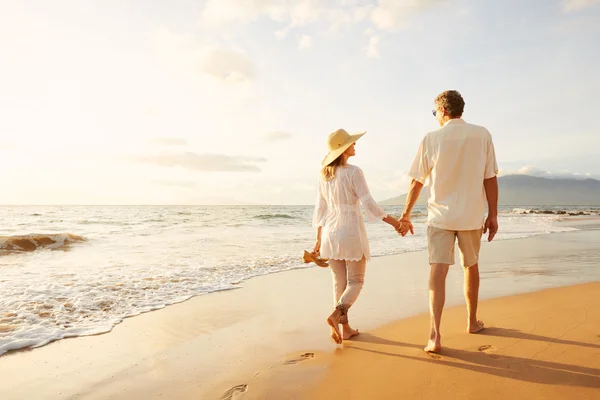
333	154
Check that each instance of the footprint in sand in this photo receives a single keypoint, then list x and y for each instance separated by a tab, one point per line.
228	395
303	357
486	349
433	355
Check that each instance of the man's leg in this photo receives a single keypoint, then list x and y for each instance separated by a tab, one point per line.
469	243
441	255
472	298
437	298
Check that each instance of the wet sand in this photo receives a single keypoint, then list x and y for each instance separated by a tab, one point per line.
215	344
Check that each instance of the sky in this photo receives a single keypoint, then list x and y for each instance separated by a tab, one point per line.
231	101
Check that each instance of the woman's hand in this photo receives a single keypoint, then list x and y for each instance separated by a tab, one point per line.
388	219
398	227
405	221
402	228
317	248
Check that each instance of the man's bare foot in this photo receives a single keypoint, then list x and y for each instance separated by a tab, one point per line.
434	345
475	327
348	332
333	321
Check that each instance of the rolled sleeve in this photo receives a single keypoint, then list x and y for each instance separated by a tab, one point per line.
491	165
421	166
320	211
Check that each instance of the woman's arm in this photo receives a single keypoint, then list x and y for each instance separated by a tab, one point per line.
317	247
372	209
398	225
319	217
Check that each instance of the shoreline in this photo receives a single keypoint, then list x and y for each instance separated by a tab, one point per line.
207	343
577	222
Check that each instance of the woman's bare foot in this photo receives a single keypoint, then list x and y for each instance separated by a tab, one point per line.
333	321
475	327
348	332
435	343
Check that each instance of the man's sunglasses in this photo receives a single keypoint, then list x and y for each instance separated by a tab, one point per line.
434	112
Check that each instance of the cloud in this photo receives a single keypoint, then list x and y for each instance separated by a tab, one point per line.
192	55
170	141
465	11
183	184
542	173
577	5
282	33
218	13
373	47
207	162
229	66
390	15
329	16
277	136
304	42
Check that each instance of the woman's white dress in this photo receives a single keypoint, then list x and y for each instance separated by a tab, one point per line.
337	210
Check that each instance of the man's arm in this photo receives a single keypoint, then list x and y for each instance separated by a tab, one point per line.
419	171
491	193
411	200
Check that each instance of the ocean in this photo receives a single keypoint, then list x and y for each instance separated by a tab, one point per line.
69	271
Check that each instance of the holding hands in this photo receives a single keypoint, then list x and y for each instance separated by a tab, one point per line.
402	225
405	226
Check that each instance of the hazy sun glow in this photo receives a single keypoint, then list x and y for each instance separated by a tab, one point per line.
229	101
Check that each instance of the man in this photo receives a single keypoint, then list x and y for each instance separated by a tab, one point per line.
460	162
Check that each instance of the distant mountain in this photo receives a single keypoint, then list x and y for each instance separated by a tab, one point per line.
525	190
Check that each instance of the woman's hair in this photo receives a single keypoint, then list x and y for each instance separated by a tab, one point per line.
328	171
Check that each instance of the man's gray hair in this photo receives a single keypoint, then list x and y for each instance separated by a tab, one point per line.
452	102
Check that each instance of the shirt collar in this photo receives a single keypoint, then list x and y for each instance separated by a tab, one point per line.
455	121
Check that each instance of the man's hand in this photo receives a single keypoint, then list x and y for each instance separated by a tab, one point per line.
408	226
491	227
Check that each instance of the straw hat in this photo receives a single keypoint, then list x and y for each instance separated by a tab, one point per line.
338	142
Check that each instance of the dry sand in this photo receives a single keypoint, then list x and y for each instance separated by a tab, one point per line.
543	345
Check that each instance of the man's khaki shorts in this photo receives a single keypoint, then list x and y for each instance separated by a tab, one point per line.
441	246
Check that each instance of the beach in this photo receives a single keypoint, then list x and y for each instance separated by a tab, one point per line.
547	347
269	336
175	171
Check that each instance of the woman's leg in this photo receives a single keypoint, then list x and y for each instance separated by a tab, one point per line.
340	281
339	273
356	279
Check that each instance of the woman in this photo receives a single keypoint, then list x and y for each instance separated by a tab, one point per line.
341	233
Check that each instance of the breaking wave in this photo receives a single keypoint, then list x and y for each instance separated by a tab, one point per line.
32	242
